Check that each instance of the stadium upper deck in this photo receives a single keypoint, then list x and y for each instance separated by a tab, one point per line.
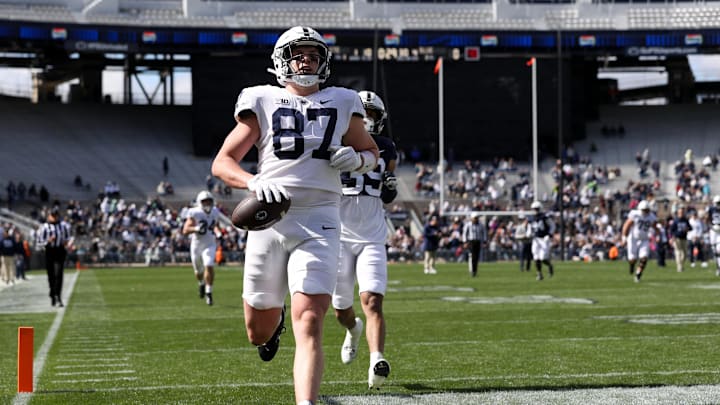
394	15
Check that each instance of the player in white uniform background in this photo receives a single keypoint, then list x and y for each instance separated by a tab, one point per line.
201	224
542	228
305	137
363	255
636	234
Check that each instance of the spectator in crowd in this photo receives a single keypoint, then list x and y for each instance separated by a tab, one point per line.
8	250
22	259
661	242
165	166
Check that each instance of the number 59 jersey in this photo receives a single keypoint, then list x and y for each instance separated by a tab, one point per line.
298	133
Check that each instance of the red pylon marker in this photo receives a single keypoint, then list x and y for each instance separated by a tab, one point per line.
25	359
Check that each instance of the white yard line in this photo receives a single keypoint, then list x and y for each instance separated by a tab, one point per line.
39	363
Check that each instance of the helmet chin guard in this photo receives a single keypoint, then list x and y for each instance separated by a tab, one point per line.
282	57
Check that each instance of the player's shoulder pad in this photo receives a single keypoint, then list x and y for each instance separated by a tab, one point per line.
247	99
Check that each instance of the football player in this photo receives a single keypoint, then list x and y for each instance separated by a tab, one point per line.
305	137
542	230
714	218
636	234
362	246
202	226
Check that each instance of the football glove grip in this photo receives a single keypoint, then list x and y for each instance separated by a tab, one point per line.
389	180
369	161
267	191
345	159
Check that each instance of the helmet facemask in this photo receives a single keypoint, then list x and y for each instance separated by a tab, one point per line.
283	59
375	113
374	120
207	205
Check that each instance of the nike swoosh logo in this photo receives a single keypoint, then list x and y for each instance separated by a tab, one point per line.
328	227
325	101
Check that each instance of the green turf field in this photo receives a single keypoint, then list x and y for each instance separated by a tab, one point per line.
142	336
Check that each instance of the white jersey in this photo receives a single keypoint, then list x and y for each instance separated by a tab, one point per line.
361	208
642	223
206	221
298	132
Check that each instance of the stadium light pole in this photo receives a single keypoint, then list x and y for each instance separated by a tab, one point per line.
441	132
533	65
561	184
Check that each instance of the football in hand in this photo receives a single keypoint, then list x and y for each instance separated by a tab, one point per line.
253	215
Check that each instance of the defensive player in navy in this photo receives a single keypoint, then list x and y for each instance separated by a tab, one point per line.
202	226
636	234
542	230
305	137
363	254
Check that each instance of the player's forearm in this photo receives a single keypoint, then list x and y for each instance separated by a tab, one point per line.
227	170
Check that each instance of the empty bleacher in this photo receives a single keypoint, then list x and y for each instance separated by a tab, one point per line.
50	144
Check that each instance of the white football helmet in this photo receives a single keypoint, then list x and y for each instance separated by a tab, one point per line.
205	196
643	206
373	102
536	205
716	200
282	56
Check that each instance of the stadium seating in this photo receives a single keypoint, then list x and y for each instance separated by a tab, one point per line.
52	143
667	131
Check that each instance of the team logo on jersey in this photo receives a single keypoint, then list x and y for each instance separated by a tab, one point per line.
282	101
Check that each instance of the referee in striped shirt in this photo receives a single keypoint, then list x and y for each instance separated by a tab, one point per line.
474	235
54	235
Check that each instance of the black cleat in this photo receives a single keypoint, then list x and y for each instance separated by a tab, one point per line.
269	349
59	302
201	290
53	302
208	298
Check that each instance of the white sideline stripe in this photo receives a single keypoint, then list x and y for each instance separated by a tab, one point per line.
39	363
96	372
100	349
94	360
413	381
671	395
96	380
438	343
599	338
68	366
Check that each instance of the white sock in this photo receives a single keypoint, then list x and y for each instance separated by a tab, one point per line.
375	356
208	289
356	327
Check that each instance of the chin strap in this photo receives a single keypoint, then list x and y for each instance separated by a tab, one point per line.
368	161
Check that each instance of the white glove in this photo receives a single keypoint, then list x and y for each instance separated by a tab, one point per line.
389	180
267	191
345	159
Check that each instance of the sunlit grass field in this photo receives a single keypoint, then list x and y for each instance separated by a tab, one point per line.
142	336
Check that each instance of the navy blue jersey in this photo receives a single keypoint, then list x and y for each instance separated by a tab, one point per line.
714	215
541	225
